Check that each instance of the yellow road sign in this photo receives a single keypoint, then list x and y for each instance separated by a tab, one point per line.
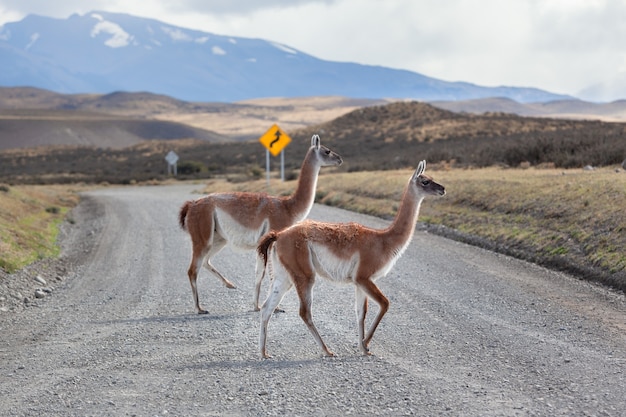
275	140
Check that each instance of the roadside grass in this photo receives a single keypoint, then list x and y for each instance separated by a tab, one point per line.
570	220
29	222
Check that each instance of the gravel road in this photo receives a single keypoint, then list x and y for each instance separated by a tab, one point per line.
468	333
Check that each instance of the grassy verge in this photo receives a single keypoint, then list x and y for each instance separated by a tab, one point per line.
29	222
571	220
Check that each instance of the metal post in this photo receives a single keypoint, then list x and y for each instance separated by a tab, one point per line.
282	165
267	166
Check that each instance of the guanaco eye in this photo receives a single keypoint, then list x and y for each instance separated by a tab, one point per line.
425	182
327	151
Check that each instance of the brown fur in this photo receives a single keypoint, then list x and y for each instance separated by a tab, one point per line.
341	252
183	214
239	219
265	244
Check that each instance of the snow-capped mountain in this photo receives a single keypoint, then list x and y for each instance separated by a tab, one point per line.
101	52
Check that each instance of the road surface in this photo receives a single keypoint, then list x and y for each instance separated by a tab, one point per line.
469	332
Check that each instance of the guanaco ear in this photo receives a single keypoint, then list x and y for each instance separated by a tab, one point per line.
315	141
421	167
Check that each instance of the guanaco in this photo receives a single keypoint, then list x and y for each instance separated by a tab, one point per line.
240	219
342	253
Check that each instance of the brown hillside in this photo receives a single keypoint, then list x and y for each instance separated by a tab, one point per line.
561	109
421	122
394	135
243	121
118	103
377	137
36	98
32	128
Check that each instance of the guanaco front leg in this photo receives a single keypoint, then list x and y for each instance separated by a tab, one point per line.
383	302
361	312
304	287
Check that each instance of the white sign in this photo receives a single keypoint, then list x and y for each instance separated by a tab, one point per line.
171	159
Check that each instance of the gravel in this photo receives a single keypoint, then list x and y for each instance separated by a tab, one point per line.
469	332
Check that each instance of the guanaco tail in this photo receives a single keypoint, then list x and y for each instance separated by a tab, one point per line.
342	253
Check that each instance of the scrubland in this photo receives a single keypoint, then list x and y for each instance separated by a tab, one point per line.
515	184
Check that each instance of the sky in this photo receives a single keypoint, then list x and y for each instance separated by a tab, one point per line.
575	47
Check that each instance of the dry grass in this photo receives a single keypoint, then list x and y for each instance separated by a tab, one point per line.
256	116
571	220
29	220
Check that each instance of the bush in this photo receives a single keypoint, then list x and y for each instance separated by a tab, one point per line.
190	167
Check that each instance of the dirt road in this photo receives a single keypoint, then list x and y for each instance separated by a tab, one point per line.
469	332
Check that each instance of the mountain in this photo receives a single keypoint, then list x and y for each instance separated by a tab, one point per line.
102	52
614	111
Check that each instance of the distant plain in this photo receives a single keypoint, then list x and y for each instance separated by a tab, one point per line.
515	184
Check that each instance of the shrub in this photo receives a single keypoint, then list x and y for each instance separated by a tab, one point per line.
190	167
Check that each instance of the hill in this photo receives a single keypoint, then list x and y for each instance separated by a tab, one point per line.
564	109
389	136
33	128
32	117
103	52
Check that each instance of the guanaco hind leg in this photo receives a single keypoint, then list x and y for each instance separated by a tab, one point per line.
280	285
259	272
192	272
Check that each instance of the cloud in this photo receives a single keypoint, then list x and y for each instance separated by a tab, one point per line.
563	46
237	7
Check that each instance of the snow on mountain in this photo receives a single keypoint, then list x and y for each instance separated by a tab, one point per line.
101	52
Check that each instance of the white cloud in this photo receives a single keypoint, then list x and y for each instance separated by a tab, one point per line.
559	45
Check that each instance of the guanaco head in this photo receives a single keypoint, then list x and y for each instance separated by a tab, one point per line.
425	184
325	156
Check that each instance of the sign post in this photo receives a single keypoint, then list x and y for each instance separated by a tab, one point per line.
275	140
171	159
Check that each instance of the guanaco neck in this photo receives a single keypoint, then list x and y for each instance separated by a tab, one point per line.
301	201
403	226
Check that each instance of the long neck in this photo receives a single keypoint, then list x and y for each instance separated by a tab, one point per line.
301	201
403	226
